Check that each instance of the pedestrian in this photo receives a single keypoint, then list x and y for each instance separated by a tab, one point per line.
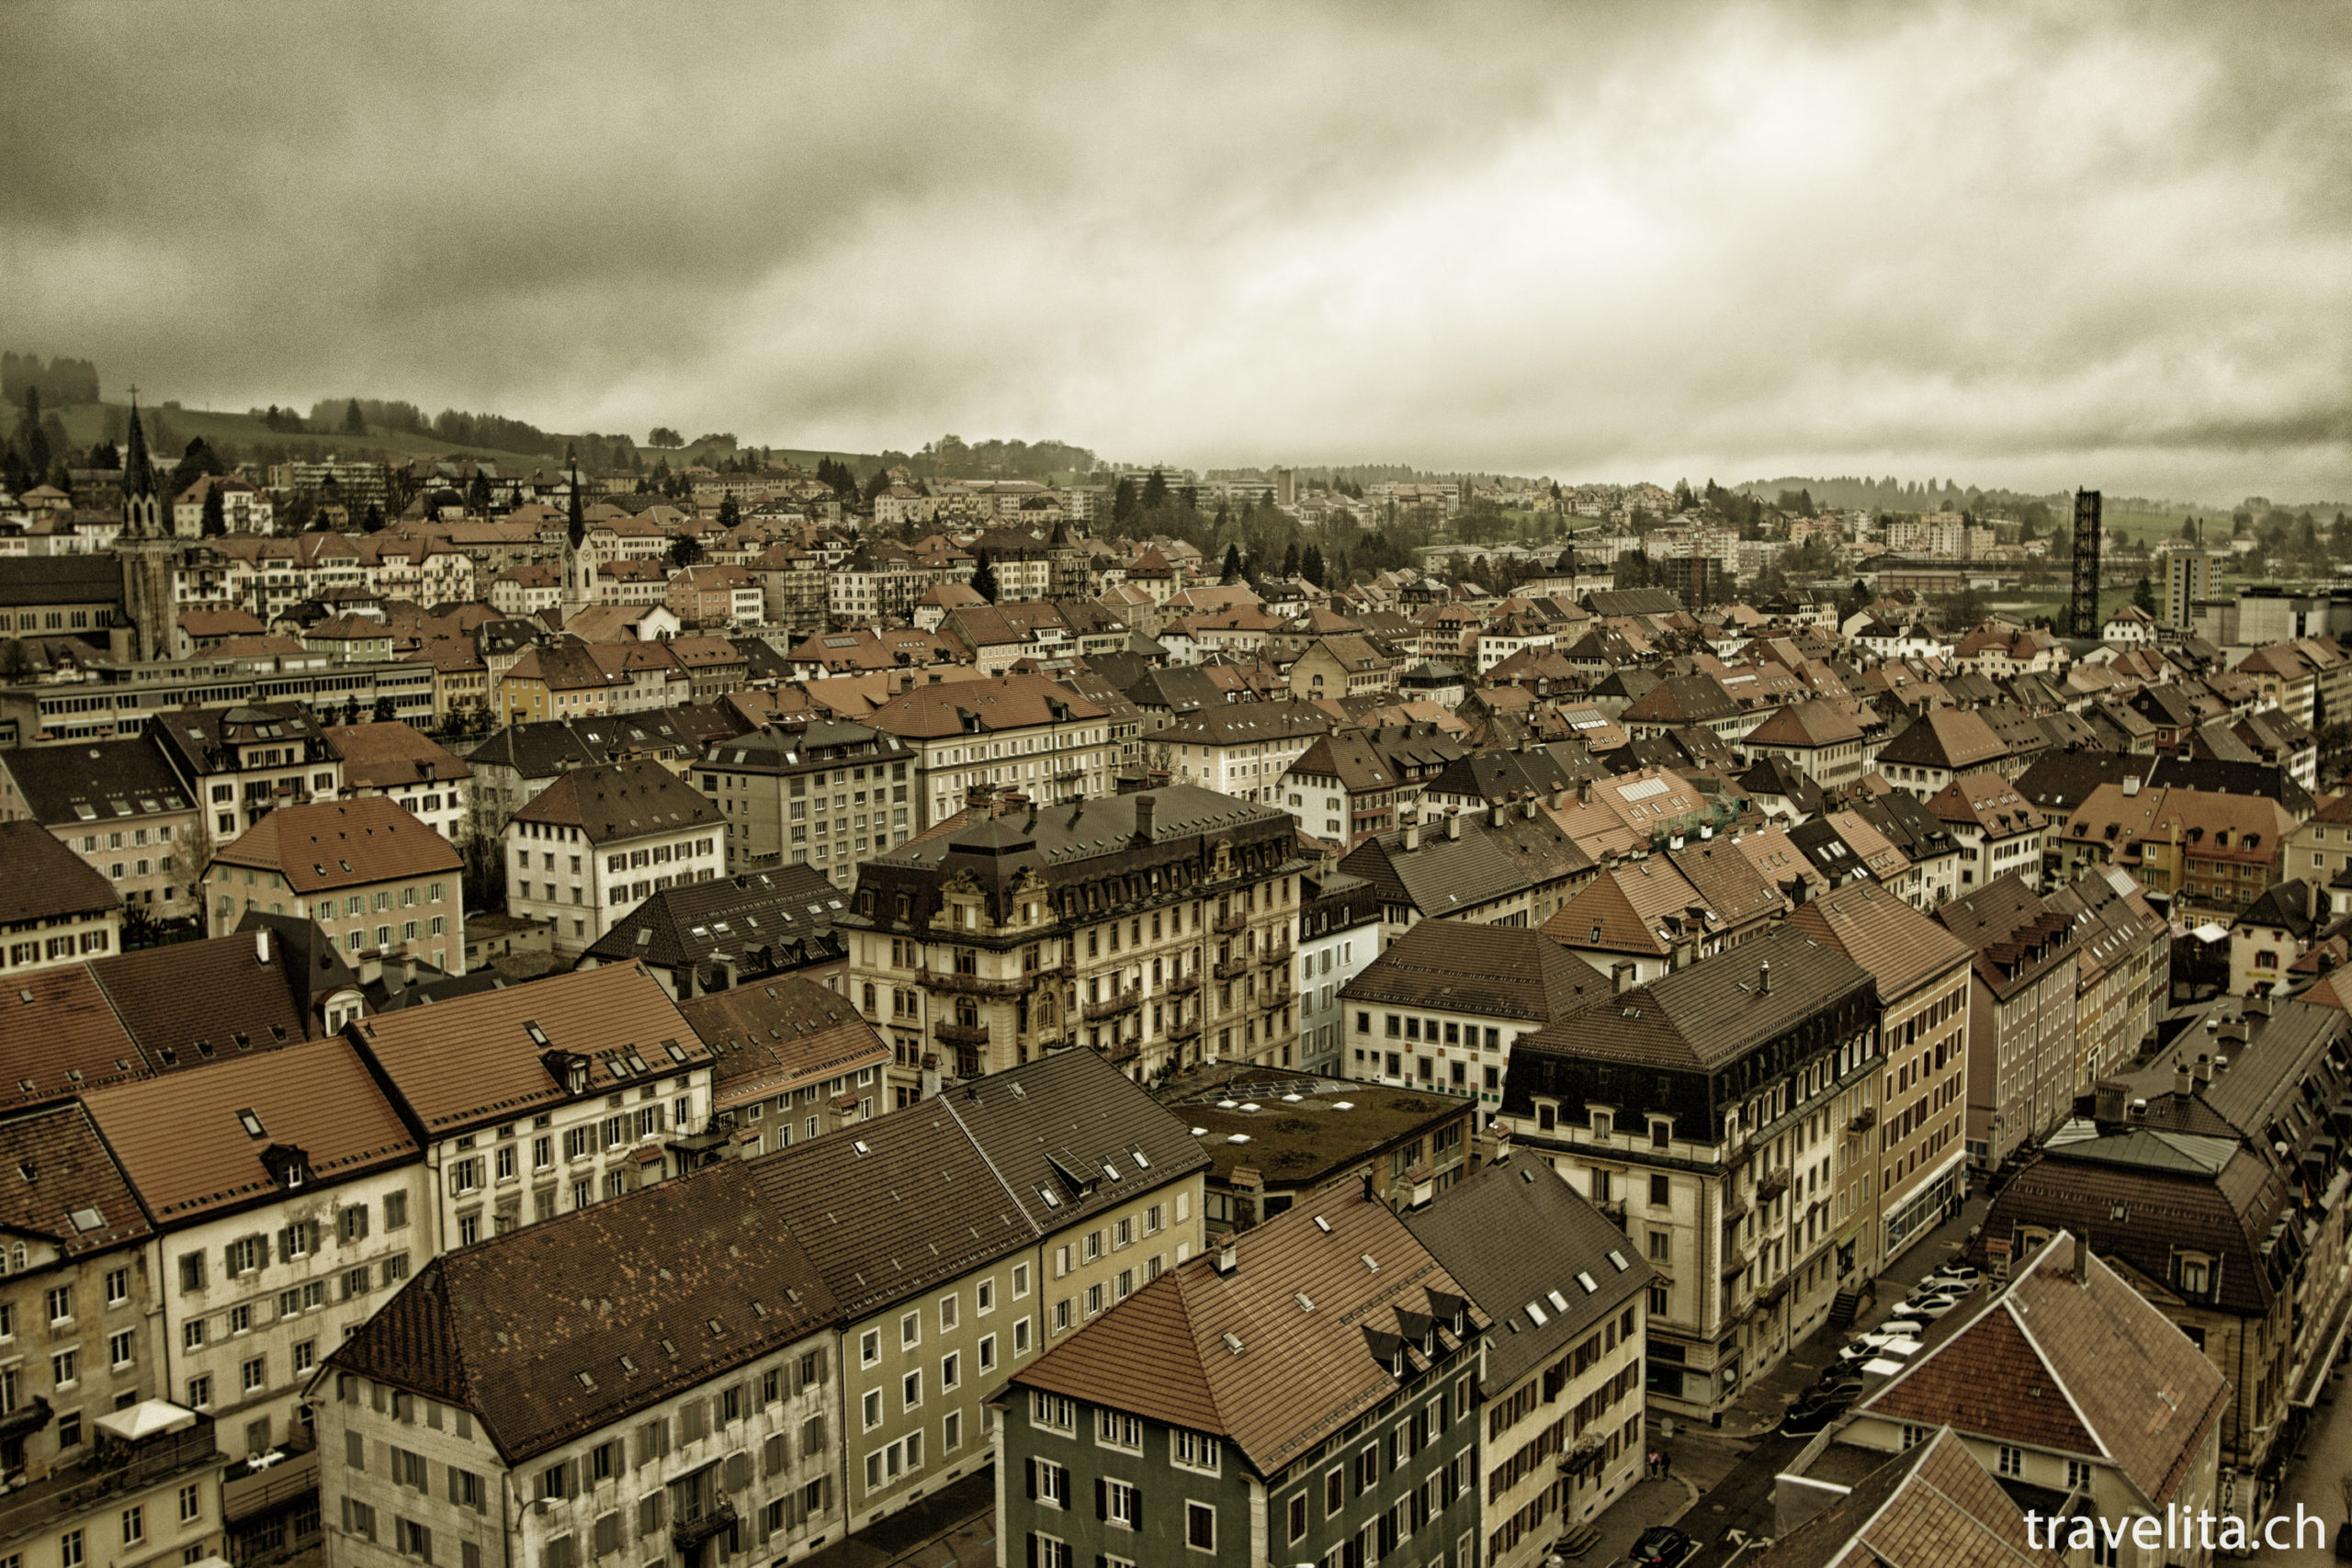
1664	1464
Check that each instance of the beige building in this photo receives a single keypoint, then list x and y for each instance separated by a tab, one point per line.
369	874
57	909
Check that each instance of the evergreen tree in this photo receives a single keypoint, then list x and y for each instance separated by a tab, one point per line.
730	514
1310	565
1122	501
2144	595
1290	561
478	494
1232	561
215	519
385	712
984	577
353	424
685	550
197	460
373	522
103	455
876	482
1155	492
32	441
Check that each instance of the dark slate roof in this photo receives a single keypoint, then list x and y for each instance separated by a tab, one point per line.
509	1328
60	580
688	922
1494	971
1442	876
771	1035
1778	775
65	1185
1558	1240
1712	1012
888	1208
2060	781
45	879
95	782
2232	778
2286	906
620	801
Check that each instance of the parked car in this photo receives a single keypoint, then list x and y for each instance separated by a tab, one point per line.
1807	1416
1954	1274
1663	1546
1925	1310
1867	1345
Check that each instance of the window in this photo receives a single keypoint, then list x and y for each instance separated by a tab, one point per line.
1049	1482
1200	1527
1122	1506
911	1390
413	1538
1053	1412
118	1286
870	1407
64	1368
1043	1550
869	1348
60	1303
2012	1460
951	1371
134	1525
948	1312
2078	1474
1020	1280
70	1553
988	1352
119	1348
1115	1429
1297	1513
1192	1450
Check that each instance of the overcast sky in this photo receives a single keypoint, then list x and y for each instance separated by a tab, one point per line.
2040	247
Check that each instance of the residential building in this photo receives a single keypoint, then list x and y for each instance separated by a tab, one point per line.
2123	972
1158	929
284	1190
56	909
2205	852
2191	577
792	1060
1341	789
600	840
705	936
2069	1380
242	762
2275	929
371	876
1315	1398
1019	732
717	596
482	1417
1997	829
1912	1128
427	780
1021	1208
1277	1138
534	1101
1338	933
1817	736
1440	1008
806	797
1717	1104
1240	749
119	807
2021	1043
1937	747
1847	1504
1564	1363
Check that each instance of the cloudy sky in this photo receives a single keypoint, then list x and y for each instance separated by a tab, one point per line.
2032	245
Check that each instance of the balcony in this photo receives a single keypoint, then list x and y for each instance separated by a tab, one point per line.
1113	1005
1771	1185
1612	1209
699	1525
1271	956
1184	985
1233	969
1185	1028
961	1034
1229	922
1864	1121
978	985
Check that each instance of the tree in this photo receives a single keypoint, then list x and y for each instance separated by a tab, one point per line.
103	456
2144	595
216	519
730	514
373	521
16	665
32	441
1232	559
1634	570
1122	501
876	482
685	551
663	435
385	712
1155	492
478	494
1290	561
1310	565
984	577
2188	529
353	424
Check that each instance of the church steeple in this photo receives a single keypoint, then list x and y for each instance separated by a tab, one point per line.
576	527
142	512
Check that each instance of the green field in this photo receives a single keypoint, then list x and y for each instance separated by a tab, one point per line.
85	425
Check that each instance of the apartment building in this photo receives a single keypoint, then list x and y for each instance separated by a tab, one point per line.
2122	976
1019	1209
1717	1105
694	1412
1439	1009
118	806
1158	929
1338	933
56	907
1562	1385
599	840
1015	732
1315	1398
1240	749
1997	829
2021	1039
1913	1128
534	1100
371	876
829	795
285	1194
426	779
243	763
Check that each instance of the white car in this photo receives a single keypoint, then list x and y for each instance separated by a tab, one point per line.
1927	1309
1952	1274
1873	1342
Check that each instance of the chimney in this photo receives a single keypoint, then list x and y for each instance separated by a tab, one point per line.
1146	813
2083	1261
727	979
1412	835
1527	807
1560	797
1229	1258
1764	979
2203	1071
2181	1081
2108	1101
2130	785
408	968
1620	976
929	1082
1495	813
261	944
1454	823
1584	791
845	1111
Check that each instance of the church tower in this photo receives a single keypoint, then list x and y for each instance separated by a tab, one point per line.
146	553
579	566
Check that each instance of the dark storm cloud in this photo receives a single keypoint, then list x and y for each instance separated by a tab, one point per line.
1593	240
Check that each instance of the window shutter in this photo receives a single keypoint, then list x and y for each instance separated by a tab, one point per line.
739	1471
1136	1502
261	1250
1101	1498
772	1457
1032	1498
825	1489
355	1450
1033	1536
795	1375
